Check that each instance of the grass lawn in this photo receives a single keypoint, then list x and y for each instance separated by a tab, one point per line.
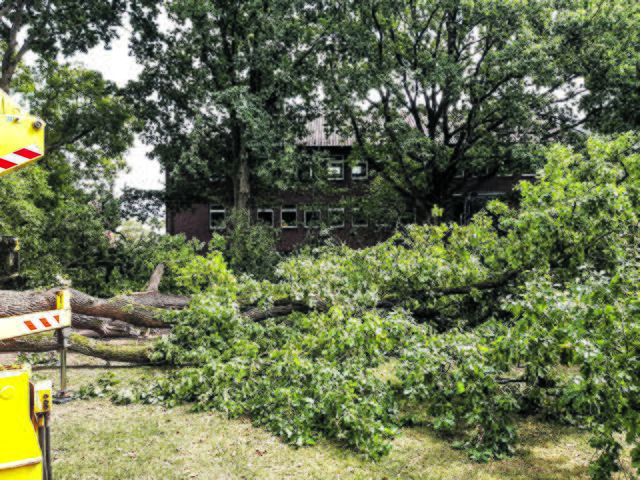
94	439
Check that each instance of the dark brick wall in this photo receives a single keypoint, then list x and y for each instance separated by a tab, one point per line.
194	223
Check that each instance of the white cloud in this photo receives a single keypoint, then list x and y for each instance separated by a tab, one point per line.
118	66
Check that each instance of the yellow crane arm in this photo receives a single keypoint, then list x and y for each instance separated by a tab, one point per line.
21	137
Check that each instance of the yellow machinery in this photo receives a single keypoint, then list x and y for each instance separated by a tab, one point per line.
21	137
24	406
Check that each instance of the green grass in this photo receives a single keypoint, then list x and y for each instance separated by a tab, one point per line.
94	439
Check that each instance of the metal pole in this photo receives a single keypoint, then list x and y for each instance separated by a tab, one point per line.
62	395
63	370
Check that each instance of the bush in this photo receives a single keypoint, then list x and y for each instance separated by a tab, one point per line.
248	248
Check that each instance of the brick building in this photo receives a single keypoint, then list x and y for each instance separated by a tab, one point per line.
301	215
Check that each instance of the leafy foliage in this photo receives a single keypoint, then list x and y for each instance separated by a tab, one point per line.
63	208
226	92
47	28
248	248
102	387
438	90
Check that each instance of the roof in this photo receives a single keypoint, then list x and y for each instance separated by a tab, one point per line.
318	136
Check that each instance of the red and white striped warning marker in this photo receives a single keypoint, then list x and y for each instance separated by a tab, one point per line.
11	327
19	157
42	322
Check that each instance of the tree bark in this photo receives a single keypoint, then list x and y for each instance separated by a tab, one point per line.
156	278
103	327
142	310
112	317
80	344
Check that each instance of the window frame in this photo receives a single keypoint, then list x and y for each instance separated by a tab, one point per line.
263	210
213	209
353	222
341	210
366	171
336	159
288	209
317	210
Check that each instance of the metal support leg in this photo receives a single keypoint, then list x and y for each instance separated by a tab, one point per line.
63	370
63	395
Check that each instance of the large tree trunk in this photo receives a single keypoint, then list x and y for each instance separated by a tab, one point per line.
241	170
142	310
145	309
80	344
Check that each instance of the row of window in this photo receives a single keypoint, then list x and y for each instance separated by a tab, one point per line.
313	217
359	171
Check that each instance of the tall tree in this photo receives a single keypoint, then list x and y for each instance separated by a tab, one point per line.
610	61
49	27
226	92
438	92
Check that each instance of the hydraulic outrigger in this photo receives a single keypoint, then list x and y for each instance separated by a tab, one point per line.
25	407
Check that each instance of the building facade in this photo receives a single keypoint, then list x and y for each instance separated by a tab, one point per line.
302	216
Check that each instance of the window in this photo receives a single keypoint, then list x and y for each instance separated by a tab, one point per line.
217	216
358	218
360	171
336	168
311	218
289	216
336	217
265	215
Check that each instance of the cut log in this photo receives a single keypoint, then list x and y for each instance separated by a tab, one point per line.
80	344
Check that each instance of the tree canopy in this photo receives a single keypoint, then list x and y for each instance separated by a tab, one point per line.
437	93
49	27
226	93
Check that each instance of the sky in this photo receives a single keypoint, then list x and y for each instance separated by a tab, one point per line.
116	65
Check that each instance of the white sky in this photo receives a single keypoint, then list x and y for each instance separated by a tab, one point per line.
116	65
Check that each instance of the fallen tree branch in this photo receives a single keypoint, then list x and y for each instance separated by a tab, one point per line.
284	306
156	278
104	327
80	344
485	285
38	368
282	309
